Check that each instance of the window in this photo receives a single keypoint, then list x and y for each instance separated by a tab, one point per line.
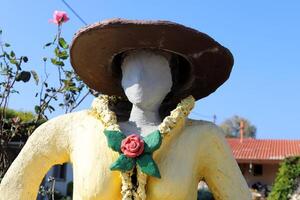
60	171
257	170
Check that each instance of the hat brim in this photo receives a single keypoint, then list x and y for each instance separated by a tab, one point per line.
94	48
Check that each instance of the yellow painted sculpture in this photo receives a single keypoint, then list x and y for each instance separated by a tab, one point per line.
158	69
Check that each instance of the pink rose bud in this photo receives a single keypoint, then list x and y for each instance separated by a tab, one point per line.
59	17
16	120
132	146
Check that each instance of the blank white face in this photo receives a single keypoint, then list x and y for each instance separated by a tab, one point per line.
146	79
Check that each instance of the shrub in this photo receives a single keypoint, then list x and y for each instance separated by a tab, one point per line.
285	182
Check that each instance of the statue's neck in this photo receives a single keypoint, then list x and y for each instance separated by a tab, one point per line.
142	117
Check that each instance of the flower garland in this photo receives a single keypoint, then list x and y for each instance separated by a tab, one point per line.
136	152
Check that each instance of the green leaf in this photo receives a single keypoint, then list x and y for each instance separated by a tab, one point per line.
123	164
7	45
25	59
62	43
148	165
35	77
57	62
51	108
152	141
13	61
23	76
37	109
15	91
114	139
12	54
48	44
56	51
61	54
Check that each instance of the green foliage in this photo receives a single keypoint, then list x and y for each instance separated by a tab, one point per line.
66	89
23	115
62	43
17	125
285	182
23	76
231	127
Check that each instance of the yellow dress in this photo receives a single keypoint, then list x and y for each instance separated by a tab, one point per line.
195	150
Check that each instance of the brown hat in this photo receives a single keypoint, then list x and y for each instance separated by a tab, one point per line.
96	49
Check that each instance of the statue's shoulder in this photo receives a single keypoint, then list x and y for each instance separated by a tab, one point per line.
203	128
83	117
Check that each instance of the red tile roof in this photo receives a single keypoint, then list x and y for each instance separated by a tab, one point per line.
257	149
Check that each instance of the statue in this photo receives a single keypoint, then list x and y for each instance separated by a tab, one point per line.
136	141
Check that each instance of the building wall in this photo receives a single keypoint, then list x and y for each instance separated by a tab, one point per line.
268	176
62	184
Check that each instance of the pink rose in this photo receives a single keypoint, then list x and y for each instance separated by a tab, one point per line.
59	17
15	120
132	146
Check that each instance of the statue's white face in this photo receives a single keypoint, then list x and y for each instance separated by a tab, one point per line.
146	79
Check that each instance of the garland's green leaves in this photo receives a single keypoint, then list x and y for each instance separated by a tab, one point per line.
148	165
152	142
123	164
145	161
114	139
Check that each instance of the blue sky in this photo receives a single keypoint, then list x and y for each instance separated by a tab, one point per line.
264	37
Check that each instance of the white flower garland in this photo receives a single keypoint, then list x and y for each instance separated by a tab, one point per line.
108	118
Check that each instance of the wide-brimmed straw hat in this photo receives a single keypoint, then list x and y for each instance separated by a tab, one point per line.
97	49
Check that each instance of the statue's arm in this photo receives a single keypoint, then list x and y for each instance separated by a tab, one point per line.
47	146
221	171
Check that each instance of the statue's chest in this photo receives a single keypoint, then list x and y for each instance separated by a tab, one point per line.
94	180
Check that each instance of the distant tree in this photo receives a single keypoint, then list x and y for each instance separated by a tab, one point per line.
231	127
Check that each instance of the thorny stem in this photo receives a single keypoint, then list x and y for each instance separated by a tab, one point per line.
6	93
